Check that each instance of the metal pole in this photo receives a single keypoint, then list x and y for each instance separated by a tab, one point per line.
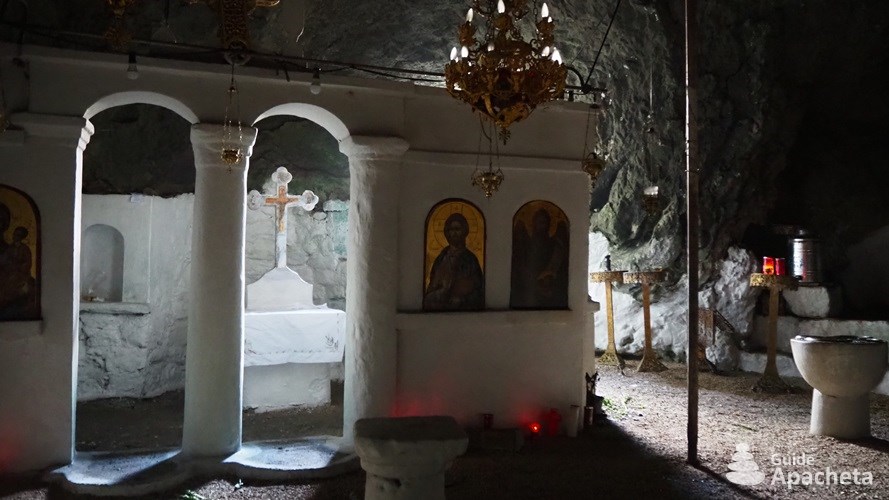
691	153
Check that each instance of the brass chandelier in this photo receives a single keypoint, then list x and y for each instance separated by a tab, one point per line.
502	76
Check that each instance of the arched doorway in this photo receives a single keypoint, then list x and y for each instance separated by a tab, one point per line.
135	210
294	393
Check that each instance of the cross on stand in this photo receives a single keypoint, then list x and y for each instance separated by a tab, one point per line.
281	201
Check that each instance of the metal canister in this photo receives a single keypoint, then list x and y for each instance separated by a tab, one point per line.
805	254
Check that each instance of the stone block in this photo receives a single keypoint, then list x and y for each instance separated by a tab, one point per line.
406	457
814	301
835	327
788	327
755	362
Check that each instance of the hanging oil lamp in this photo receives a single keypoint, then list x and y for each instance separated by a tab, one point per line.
231	147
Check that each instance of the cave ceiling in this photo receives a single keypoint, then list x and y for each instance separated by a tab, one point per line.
791	93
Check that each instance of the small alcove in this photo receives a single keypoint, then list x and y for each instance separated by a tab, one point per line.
101	264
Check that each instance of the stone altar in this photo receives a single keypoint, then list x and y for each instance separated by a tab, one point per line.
292	347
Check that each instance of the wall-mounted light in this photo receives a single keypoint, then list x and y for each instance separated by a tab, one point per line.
315	87
132	69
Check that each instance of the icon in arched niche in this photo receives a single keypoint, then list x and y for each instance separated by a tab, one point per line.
19	256
454	276
539	257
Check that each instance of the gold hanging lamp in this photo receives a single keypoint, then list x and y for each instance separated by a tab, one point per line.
593	162
488	180
231	147
502	76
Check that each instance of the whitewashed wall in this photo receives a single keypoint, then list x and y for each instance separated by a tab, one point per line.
514	364
138	349
40	156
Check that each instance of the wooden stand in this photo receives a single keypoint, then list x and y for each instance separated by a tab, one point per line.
770	381
610	357
650	361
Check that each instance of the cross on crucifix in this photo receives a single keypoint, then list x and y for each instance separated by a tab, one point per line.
281	201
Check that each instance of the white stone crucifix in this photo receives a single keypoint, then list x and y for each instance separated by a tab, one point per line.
281	201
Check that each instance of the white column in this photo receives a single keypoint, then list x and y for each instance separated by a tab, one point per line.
214	352
374	165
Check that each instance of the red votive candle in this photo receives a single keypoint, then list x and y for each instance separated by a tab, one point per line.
768	265
780	268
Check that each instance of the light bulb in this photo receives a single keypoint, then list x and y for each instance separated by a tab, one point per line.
464	52
544	11
501	7
549	19
469	15
132	69
545	51
315	87
453	53
557	57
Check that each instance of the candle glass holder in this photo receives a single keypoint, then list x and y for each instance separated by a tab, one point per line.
768	265
780	266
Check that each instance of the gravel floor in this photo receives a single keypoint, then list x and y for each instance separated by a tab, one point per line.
639	453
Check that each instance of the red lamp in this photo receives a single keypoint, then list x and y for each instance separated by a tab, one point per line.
534	427
780	266
768	265
553	419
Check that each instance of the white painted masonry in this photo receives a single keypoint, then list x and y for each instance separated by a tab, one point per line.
214	359
376	121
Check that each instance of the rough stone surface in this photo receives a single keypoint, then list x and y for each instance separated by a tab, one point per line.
316	247
788	327
814	301
729	293
143	356
837	327
113	355
762	136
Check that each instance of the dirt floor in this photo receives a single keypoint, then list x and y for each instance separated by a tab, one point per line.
640	452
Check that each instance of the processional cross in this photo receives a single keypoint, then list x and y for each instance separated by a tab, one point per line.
281	201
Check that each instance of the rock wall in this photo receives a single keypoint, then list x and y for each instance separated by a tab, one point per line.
316	248
728	292
133	351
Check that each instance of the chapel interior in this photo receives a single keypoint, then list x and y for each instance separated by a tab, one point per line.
443	249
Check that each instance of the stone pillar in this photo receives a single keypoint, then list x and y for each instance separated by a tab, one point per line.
215	344
374	164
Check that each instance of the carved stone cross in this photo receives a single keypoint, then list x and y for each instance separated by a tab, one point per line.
281	201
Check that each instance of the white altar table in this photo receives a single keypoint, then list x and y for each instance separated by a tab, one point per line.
304	336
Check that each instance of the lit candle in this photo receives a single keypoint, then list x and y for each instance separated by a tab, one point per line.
454	54
545	52
557	57
544	11
501	7
469	16
780	268
768	265
464	52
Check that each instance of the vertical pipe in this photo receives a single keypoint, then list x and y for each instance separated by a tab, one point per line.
691	146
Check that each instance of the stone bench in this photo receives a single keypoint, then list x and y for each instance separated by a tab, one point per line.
406	458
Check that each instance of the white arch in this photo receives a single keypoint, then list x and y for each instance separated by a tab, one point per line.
141	97
317	114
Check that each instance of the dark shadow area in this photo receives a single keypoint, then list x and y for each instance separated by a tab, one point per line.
739	492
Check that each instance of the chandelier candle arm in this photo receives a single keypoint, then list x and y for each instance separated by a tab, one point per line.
502	76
